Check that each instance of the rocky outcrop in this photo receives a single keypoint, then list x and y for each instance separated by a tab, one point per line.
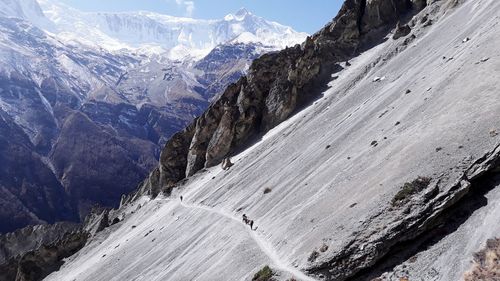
33	252
401	31
36	265
277	84
224	134
432	206
96	221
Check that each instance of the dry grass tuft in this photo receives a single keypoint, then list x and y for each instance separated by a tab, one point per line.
486	263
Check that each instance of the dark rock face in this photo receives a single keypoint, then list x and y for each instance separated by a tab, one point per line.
28	238
29	191
225	65
87	177
34	252
276	85
37	264
96	221
224	134
401	31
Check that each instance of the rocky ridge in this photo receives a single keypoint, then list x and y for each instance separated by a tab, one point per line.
33	252
418	218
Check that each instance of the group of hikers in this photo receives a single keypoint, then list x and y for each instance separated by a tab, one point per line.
226	164
248	221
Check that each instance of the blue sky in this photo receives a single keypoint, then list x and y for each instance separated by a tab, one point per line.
303	15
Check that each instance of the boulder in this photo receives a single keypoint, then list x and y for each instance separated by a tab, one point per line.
402	30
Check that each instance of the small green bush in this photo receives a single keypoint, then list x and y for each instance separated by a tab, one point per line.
409	189
265	274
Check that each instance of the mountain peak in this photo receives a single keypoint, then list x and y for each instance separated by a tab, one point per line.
27	10
242	12
150	32
240	15
20	9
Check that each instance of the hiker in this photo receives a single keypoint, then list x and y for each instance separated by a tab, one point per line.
181	198
251	224
245	219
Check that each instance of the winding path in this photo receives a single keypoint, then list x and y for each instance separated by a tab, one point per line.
264	245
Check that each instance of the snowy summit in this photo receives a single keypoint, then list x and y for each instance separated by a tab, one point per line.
149	32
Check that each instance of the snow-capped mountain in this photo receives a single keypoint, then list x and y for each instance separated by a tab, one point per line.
156	33
26	9
88	99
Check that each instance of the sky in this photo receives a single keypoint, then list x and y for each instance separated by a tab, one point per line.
303	15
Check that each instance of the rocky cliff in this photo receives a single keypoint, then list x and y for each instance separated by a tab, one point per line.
33	252
276	85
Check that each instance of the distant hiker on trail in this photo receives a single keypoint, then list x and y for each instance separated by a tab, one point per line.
181	198
248	221
226	164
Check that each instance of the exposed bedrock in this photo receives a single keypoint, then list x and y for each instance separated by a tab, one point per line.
405	227
37	264
33	252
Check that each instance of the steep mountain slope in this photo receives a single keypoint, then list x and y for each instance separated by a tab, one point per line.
394	168
90	122
37	196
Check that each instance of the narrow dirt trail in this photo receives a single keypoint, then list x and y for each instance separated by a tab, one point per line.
263	244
